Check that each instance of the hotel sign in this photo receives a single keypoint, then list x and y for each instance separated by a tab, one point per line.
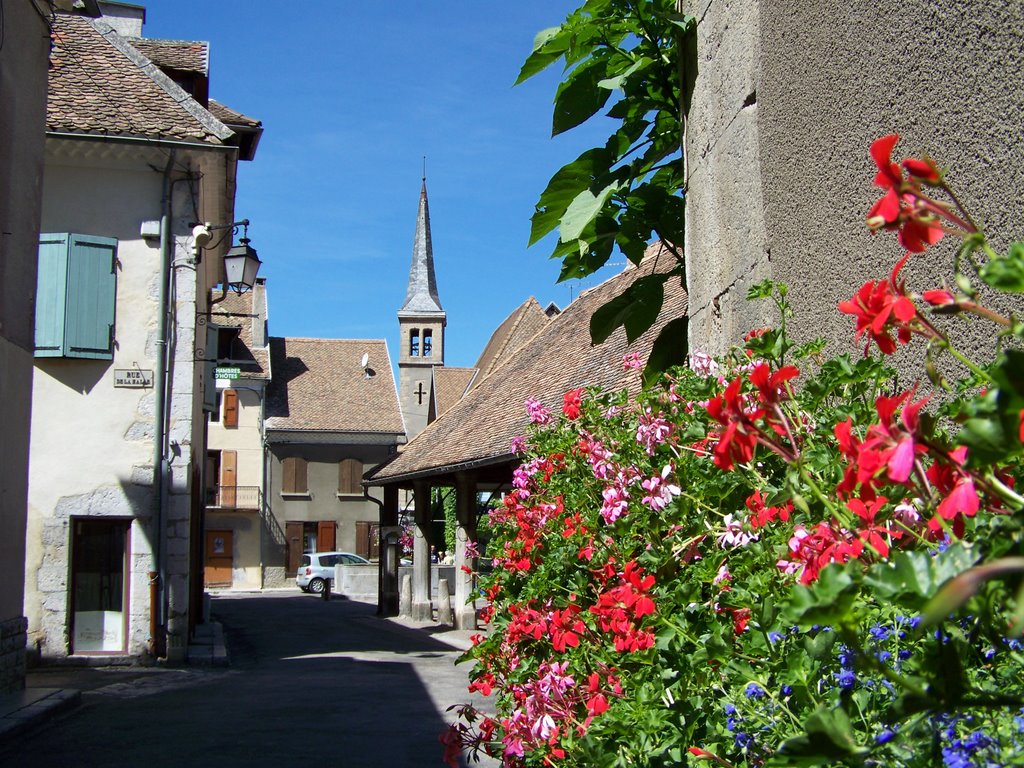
133	378
227	373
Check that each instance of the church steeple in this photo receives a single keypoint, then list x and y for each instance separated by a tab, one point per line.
421	323
422	293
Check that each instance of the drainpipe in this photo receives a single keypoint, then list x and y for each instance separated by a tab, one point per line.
159	611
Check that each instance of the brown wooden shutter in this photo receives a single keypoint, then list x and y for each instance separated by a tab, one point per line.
350	475
294	469
325	538
293	535
228	478
230	408
363	538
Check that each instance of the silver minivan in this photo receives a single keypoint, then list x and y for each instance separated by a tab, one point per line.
316	567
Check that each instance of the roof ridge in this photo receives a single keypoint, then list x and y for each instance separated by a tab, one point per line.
196	110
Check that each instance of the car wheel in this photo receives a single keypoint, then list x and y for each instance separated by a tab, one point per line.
316	586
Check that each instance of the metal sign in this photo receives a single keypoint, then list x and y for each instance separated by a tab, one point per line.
133	378
227	373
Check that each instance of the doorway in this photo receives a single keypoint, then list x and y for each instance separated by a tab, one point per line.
219	565
99	585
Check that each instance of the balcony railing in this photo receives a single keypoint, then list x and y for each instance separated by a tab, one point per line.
233	497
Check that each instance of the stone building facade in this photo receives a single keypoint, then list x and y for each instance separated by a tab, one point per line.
789	96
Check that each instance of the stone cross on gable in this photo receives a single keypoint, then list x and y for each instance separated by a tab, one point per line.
420	392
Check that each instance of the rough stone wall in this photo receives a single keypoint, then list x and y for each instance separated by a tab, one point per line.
726	249
789	96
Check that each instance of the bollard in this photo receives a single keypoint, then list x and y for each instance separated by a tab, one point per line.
444	603
326	594
405	596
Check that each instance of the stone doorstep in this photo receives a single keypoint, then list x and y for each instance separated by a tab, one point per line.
24	709
207	647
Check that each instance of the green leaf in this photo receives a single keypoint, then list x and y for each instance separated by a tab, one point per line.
579	96
1006	273
829	600
548	47
828	734
636	308
567	183
669	349
582	211
911	578
958	590
615	83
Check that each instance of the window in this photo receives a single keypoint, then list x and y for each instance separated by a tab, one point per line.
414	342
428	338
230	407
350	475
215	413
226	338
294	468
76	288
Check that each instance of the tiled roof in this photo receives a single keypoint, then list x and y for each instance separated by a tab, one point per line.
480	427
183	55
229	116
235	311
100	84
518	328
319	385
450	384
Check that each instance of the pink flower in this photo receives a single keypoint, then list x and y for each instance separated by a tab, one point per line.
652	431
734	536
538	413
615	503
660	493
631	361
703	364
518	444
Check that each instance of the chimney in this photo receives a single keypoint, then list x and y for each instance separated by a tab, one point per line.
126	19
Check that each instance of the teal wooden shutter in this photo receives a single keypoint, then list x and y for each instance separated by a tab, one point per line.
76	290
51	294
92	290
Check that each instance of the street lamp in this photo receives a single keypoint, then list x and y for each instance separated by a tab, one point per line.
241	265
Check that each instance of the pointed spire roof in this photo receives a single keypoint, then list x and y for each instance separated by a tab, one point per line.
422	293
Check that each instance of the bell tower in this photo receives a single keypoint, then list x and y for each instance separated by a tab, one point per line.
421	323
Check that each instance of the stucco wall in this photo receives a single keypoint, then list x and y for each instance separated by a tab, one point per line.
789	96
949	78
322	502
92	442
23	61
246	440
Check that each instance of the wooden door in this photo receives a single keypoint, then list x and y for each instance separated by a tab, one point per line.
228	479
325	538
219	558
293	537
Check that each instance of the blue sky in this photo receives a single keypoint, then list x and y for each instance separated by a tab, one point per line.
352	96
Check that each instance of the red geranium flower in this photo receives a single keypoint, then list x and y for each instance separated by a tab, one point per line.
881	307
571	403
903	206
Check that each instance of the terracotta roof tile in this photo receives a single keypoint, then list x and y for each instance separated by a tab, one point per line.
518	328
100	84
319	385
182	55
451	384
560	357
229	116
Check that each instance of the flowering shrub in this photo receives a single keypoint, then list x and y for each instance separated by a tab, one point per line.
773	558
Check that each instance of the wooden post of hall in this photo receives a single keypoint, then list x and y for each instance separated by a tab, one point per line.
465	513
389	554
421	609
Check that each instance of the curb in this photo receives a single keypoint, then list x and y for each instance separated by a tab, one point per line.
24	709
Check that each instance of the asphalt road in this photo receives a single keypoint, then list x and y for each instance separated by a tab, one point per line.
311	683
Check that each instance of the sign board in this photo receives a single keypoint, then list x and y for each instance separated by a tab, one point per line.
133	378
227	373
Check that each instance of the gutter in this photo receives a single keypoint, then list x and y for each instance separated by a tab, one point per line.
441	470
106	138
159	611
